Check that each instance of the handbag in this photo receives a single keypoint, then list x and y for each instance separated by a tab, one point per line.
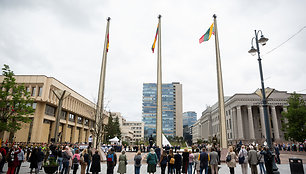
228	158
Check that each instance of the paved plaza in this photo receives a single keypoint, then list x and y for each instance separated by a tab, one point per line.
284	168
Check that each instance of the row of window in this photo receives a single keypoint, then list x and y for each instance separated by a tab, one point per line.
33	91
50	110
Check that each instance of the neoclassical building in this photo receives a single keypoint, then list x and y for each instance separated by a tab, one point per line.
244	118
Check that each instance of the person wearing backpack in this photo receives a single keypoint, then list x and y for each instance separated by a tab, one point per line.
111	161
84	160
137	164
171	162
75	161
152	161
231	160
163	162
243	159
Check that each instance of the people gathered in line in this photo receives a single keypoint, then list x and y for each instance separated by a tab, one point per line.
200	159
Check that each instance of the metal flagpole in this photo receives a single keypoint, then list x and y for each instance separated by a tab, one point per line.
159	89
99	111
223	139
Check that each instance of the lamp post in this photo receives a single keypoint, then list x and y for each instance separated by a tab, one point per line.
271	163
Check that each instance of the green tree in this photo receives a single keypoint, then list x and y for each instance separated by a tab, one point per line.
294	121
117	131
109	128
15	104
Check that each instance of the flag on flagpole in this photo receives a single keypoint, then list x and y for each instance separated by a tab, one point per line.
153	46
208	34
107	42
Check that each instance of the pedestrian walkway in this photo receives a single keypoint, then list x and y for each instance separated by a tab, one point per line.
283	168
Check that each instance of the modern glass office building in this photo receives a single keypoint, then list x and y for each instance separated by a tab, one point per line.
189	118
172	124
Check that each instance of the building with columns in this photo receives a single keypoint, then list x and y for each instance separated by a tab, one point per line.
244	118
77	117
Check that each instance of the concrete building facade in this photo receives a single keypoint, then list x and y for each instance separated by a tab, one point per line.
172	109
244	118
77	117
137	127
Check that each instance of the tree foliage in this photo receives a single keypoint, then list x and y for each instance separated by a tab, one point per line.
15	103
294	121
113	128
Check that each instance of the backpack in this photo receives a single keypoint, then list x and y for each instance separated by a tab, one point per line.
164	161
110	157
86	157
138	161
172	160
75	160
228	158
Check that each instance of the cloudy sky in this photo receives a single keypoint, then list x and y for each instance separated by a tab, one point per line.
64	39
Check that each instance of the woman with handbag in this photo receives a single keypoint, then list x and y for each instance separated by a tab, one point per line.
243	159
231	160
122	163
83	162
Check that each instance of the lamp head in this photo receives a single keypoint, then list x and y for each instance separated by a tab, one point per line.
252	51
263	40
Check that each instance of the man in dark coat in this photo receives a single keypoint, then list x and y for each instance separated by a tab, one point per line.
178	162
111	161
96	163
203	161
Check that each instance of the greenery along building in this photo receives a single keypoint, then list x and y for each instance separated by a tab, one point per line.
76	121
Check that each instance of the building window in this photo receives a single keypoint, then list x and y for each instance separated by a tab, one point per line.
40	91
33	91
50	110
80	120
86	122
64	115
71	117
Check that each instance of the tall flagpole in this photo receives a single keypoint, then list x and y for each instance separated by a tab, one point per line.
99	112
220	89
159	89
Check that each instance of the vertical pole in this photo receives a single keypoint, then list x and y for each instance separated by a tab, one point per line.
159	89
58	114
264	103
220	89
99	111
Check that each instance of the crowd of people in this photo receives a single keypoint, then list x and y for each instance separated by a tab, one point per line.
203	158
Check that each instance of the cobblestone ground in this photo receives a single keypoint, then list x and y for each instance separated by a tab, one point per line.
283	168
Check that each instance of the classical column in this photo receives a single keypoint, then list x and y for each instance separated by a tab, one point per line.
285	110
251	124
275	122
234	120
262	121
239	123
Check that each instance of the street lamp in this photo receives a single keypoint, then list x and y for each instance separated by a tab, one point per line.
253	52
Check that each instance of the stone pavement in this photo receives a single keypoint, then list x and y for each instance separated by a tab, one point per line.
283	169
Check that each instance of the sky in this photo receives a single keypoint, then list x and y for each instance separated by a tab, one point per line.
64	39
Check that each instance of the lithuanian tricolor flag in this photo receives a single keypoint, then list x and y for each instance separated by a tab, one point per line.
208	34
153	46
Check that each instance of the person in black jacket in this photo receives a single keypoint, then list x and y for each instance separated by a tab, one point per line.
203	161
96	163
178	162
185	160
40	158
33	160
66	159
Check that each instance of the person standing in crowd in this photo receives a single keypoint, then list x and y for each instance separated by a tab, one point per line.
33	160
261	161
253	160
89	158
12	159
171	162
70	152
20	157
185	160
191	162
152	161
111	161
75	161
3	153
197	161
96	163
157	152
232	160
163	162
122	163
177	162
59	152
66	158
277	158
137	162
213	155
84	160
268	160
40	159
242	158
